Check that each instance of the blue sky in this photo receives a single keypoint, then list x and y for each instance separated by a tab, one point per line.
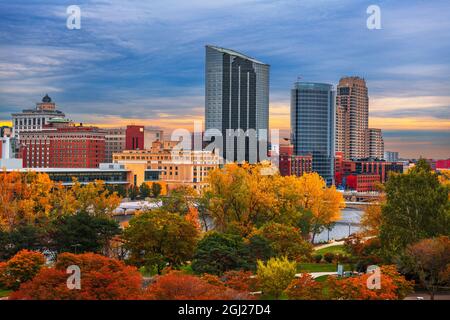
143	61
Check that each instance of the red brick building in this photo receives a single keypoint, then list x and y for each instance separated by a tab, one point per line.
363	182
372	171
291	164
134	138
63	145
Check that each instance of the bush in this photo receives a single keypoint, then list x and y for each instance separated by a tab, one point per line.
305	288
317	258
329	257
275	276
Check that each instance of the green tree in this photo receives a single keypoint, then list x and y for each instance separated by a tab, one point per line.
259	249
220	252
286	241
179	200
159	238
28	236
417	207
275	276
144	190
82	233
156	189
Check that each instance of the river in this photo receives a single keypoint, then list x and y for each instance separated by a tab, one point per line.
348	224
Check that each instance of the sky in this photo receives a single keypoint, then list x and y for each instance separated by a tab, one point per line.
142	62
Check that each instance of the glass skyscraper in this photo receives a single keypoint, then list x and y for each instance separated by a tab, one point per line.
313	115
237	97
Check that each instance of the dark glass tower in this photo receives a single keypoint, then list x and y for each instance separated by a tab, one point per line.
237	97
313	125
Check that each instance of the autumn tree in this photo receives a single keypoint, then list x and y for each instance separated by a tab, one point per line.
393	286
286	241
20	269
417	207
305	288
220	252
178	286
371	218
180	200
102	278
156	238
429	259
275	276
240	280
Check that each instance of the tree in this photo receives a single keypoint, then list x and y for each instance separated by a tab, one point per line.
259	249
178	286
156	189
82	233
102	278
29	236
220	252
144	190
393	286
20	269
417	207
180	200
240	280
429	259
324	203
305	288
157	238
286	241
275	276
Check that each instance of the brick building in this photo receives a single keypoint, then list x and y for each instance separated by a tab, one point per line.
134	137
61	144
290	164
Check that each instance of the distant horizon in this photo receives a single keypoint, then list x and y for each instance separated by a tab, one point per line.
144	63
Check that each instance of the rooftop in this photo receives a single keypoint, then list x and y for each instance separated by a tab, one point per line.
235	53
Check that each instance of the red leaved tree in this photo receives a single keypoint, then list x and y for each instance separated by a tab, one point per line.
102	278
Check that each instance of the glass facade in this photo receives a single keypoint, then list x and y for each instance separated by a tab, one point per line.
237	95
313	125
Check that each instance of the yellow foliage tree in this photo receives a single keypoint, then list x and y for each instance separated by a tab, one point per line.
275	276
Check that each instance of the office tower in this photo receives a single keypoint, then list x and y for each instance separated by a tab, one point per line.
35	119
376	143
313	118
134	137
391	156
114	142
352	118
237	97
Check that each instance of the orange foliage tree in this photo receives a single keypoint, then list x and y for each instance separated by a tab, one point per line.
305	288
393	286
20	268
102	278
178	286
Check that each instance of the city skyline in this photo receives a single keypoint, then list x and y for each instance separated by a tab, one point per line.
113	72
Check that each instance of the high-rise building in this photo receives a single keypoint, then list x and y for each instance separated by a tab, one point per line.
35	119
391	156
237	97
134	139
313	118
115	139
352	118
376	143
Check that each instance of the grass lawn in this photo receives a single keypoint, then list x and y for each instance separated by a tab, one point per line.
333	249
4	293
320	267
321	278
